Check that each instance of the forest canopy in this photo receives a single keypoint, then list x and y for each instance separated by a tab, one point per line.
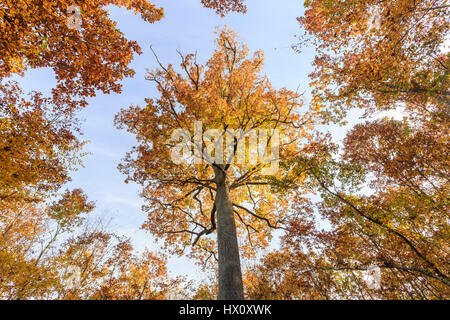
240	172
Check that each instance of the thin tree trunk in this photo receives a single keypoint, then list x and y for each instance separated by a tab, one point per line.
230	276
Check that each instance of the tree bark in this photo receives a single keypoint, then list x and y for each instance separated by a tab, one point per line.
230	275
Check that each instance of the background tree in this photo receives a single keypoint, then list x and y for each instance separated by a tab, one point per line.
39	135
29	233
223	7
380	55
96	57
39	145
110	270
385	196
35	34
41	250
399	227
187	202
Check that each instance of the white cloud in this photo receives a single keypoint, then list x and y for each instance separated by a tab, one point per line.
122	200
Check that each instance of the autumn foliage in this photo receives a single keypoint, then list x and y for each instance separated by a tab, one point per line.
223	7
376	202
386	195
40	144
40	253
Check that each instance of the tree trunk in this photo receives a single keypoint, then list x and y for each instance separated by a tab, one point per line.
230	276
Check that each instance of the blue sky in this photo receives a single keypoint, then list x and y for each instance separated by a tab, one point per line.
268	25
